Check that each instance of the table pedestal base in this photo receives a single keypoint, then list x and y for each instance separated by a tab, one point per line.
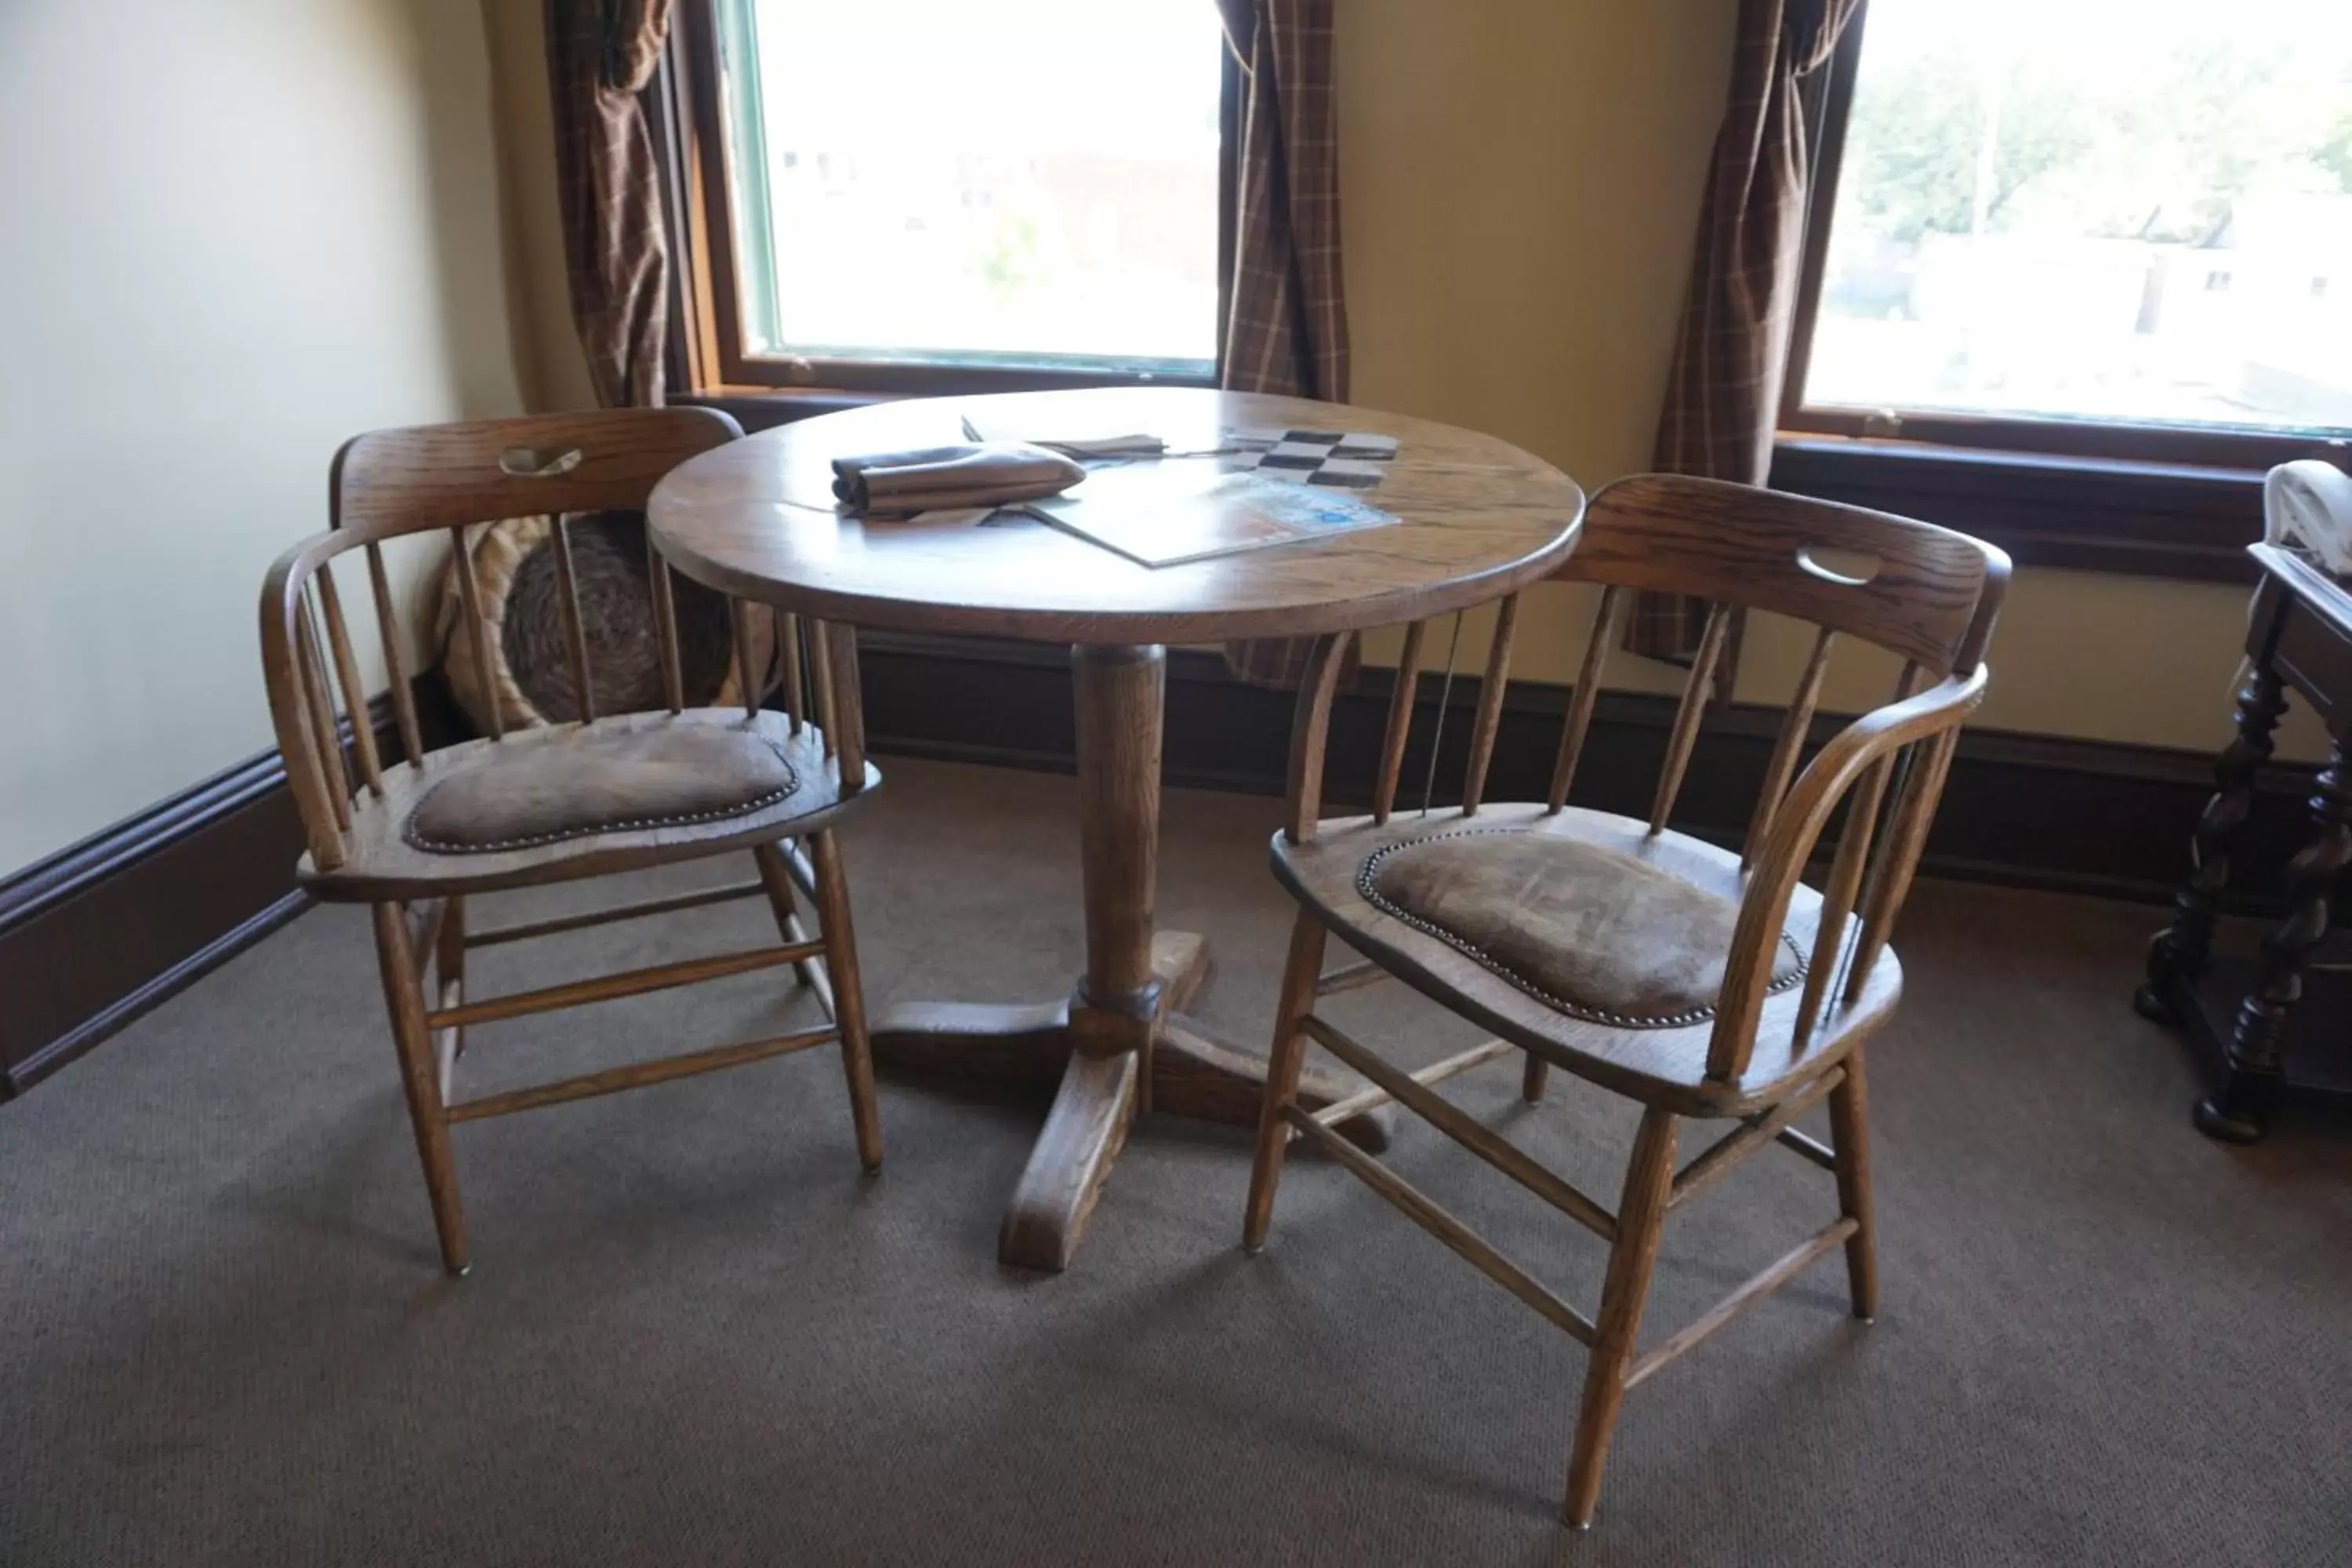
1189	1073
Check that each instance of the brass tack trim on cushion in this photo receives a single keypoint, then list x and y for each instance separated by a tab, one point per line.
1368	884
789	787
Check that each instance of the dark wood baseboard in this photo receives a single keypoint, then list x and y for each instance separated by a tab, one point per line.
84	980
102	931
95	936
2081	817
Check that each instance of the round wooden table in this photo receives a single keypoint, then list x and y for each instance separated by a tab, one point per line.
1481	519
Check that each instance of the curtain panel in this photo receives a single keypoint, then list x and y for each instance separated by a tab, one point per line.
1287	330
601	55
1732	351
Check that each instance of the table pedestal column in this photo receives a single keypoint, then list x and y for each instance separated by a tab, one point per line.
1116	1045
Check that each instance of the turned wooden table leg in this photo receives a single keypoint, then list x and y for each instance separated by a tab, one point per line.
1112	1018
1117	693
1116	1045
2234	1112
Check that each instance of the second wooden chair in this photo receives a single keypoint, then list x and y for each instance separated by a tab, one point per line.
1702	982
416	840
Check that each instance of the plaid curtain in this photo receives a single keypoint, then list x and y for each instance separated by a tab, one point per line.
1288	328
601	54
1723	395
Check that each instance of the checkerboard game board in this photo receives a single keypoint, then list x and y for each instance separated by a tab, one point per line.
1353	459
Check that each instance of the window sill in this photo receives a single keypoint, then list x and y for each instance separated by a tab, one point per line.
2090	514
761	407
757	408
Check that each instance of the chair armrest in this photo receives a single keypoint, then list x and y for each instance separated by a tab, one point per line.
1850	756
311	759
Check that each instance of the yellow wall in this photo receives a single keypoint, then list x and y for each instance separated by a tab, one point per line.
238	232
1520	183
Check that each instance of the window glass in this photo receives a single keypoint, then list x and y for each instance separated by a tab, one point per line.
1025	182
2115	210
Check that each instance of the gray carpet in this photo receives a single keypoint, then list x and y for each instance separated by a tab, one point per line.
694	1333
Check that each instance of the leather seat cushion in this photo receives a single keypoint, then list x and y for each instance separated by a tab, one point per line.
512	795
1597	934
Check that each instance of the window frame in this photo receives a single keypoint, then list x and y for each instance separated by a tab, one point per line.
708	358
2155	500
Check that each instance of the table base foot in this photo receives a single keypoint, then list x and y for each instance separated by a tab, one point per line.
1028	1045
1196	1075
1081	1139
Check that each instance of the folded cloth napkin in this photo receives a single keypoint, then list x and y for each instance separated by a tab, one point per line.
938	478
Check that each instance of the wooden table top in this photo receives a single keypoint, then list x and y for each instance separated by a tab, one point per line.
755	518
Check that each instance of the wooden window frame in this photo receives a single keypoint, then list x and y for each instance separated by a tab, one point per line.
2148	500
708	359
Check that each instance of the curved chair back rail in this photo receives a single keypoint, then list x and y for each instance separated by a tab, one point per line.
1926	595
391	484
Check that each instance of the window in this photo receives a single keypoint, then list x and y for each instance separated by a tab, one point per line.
2097	227
931	194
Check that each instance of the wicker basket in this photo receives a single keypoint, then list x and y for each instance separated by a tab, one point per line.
531	676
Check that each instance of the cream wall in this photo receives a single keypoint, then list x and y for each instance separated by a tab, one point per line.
238	231
554	369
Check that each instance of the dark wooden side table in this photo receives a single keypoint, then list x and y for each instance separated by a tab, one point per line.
2266	1026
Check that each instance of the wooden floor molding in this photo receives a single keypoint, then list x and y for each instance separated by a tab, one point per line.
97	933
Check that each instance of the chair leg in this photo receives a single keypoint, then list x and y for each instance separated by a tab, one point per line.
778	881
1641	1218
848	991
449	964
1849	1128
403	997
1288	1055
1531	1079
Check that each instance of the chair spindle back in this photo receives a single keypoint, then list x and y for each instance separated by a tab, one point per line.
391	484
1925	594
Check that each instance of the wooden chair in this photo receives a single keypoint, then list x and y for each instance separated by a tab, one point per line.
418	839
1704	982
